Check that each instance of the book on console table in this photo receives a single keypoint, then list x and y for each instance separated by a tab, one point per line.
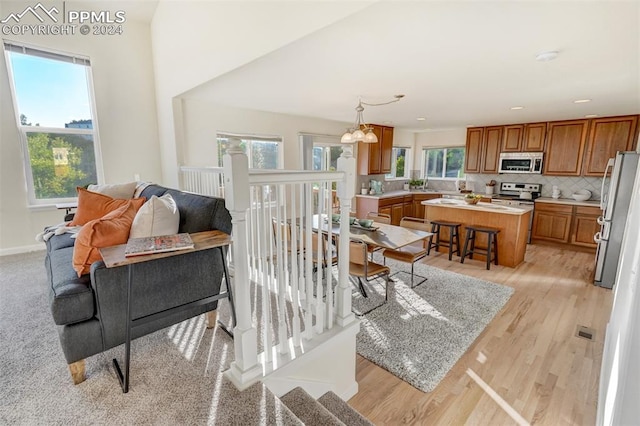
159	244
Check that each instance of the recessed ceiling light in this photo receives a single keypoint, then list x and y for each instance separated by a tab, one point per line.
517	107
590	115
421	118
581	101
549	55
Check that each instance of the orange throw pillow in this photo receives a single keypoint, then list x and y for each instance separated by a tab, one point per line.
110	230
93	205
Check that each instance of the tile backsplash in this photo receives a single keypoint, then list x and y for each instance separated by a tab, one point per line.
566	185
476	182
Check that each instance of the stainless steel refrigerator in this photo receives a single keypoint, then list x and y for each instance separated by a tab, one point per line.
615	199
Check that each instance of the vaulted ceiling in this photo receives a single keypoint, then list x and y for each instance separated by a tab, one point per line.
457	63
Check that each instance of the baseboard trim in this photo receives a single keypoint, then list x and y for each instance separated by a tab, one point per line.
21	249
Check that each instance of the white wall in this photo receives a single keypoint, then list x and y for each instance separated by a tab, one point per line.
126	114
197	41
202	120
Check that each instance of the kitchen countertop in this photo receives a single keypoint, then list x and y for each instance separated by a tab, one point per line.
568	201
400	193
480	207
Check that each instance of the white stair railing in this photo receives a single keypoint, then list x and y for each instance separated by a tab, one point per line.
202	180
273	239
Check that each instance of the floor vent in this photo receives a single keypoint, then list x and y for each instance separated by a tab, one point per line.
585	332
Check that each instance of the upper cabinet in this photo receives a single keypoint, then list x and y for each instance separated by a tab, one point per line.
375	158
492	143
524	137
606	137
483	149
571	148
565	147
534	137
473	151
512	138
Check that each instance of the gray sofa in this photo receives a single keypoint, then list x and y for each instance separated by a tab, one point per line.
90	311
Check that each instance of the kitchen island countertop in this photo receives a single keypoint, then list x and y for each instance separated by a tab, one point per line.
513	223
480	207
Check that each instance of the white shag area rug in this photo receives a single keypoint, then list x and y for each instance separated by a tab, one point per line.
420	333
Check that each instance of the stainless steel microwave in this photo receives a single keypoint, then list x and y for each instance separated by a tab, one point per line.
520	162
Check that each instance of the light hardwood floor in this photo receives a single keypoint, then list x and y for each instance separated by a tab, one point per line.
527	367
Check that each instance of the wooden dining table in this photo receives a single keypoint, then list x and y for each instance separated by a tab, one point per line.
380	234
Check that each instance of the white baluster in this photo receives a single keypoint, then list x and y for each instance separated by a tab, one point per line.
329	275
308	313
346	191
245	369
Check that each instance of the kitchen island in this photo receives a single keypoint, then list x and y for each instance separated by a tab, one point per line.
513	223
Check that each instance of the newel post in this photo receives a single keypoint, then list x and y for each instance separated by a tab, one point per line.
346	192
245	370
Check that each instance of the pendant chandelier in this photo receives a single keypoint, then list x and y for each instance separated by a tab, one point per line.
361	131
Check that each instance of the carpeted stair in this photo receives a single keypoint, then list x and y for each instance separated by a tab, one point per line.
328	410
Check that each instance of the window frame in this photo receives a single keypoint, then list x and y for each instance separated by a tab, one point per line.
423	165
408	161
24	130
248	137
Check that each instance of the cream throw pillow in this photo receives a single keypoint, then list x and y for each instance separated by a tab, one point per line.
121	191
158	216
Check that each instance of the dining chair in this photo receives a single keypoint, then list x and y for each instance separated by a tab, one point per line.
361	267
285	232
411	253
380	218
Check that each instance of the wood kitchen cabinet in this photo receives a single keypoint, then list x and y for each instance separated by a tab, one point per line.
606	137
585	226
534	137
375	158
397	207
483	149
565	223
473	151
565	147
524	137
552	222
418	208
492	143
512	138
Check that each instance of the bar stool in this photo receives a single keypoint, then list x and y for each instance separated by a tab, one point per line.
454	237
492	240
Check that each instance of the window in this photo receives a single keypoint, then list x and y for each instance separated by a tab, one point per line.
400	163
53	102
443	163
263	152
325	157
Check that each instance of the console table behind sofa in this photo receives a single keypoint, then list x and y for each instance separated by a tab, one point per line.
90	311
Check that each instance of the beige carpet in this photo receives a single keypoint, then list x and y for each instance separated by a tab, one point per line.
176	373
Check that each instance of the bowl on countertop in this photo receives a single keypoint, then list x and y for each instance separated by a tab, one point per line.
365	223
582	195
472	198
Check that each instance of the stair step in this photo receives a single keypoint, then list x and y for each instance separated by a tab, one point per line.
342	410
308	410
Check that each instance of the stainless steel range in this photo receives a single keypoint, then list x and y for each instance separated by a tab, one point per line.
518	194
